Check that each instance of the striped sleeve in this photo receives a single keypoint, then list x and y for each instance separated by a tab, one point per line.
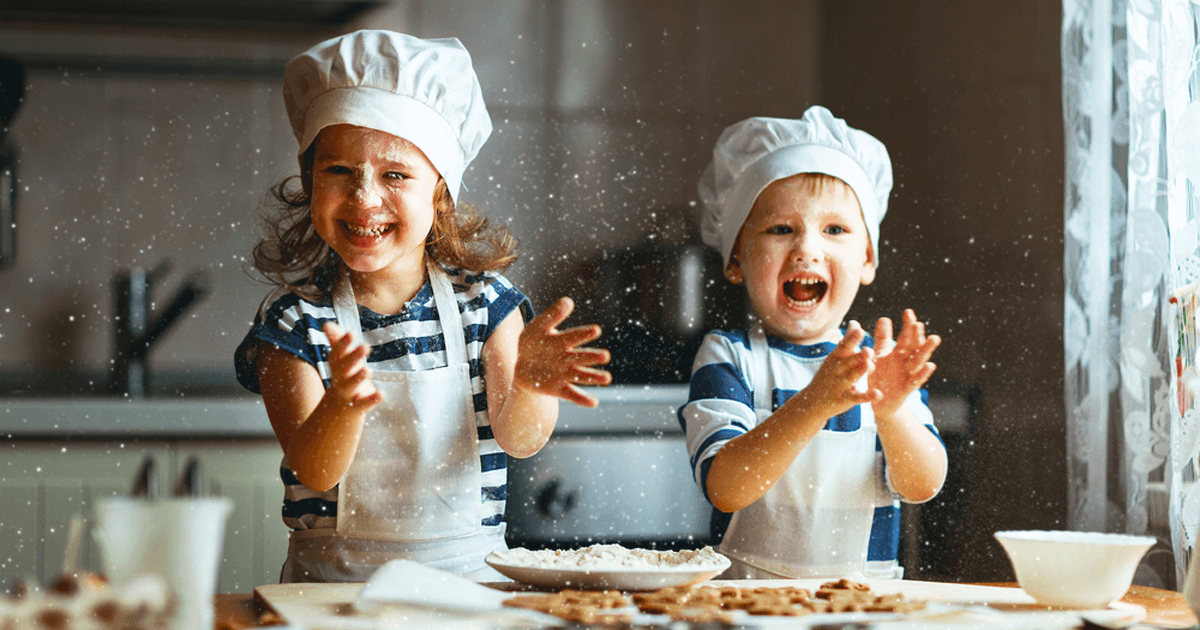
720	403
291	324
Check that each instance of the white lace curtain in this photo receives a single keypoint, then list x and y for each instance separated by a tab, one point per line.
1132	131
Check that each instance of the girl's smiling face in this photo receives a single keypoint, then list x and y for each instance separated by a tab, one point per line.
803	252
372	198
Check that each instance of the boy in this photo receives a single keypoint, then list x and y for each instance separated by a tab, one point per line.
799	428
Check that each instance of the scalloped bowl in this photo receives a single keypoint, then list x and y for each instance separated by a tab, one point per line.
1074	569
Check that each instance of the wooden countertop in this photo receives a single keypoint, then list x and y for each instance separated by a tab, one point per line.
235	611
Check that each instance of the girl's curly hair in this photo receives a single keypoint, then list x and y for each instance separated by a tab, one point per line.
293	255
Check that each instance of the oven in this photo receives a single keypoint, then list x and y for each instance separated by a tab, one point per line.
617	473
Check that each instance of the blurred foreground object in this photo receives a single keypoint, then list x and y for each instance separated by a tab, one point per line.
144	603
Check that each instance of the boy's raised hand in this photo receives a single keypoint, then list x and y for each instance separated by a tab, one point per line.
350	382
553	362
835	385
901	366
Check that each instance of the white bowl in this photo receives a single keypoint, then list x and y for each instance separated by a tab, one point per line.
1074	569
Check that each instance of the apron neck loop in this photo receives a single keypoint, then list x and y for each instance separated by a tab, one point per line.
760	355
448	314
346	309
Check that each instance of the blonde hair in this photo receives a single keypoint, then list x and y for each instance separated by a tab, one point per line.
814	184
293	255
817	183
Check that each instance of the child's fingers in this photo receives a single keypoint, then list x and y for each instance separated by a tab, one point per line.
851	340
367	402
337	336
332	330
590	356
922	375
931	343
591	376
573	394
347	361
341	343
883	336
913	327
851	368
579	335
870	396
557	313
916	356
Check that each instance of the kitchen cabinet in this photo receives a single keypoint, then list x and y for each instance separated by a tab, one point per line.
44	483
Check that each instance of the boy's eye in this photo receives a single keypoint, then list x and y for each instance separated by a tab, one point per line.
835	230
779	229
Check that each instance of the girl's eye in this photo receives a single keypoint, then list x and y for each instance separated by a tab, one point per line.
395	175
835	230
779	229
336	169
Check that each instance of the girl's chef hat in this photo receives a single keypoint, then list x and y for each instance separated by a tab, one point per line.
422	90
751	154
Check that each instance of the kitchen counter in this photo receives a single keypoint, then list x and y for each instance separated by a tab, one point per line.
117	417
623	408
1169	609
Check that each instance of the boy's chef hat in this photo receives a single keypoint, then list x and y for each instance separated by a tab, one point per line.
422	90
751	154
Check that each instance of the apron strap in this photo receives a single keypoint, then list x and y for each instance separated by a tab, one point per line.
451	318
345	308
760	355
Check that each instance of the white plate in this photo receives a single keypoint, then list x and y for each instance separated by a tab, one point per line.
641	579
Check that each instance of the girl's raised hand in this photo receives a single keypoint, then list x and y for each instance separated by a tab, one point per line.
901	366
350	384
553	362
835	385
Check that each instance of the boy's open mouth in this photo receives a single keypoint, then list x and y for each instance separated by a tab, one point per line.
367	232
804	291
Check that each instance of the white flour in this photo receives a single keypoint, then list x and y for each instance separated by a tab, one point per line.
609	557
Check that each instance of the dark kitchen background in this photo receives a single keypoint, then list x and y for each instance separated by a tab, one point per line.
150	131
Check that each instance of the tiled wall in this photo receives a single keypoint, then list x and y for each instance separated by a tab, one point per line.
604	114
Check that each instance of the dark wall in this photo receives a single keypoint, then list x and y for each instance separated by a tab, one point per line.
967	97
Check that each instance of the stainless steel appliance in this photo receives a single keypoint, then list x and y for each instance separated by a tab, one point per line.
617	473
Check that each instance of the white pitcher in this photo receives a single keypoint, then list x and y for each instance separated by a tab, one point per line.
178	538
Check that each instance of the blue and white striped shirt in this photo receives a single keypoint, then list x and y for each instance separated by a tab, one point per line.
720	408
409	341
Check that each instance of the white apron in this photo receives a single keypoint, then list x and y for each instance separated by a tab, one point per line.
413	489
816	520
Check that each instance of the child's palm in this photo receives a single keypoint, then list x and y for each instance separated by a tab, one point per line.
553	362
835	385
350	378
902	365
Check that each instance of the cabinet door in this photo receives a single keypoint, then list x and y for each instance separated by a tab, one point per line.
46	484
246	471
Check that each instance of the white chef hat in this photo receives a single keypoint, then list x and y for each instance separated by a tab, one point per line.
751	154
422	90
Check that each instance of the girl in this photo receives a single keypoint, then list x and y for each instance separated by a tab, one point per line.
393	359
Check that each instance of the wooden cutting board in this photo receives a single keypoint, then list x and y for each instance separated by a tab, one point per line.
330	606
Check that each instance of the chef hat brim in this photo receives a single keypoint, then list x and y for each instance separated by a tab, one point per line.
789	161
